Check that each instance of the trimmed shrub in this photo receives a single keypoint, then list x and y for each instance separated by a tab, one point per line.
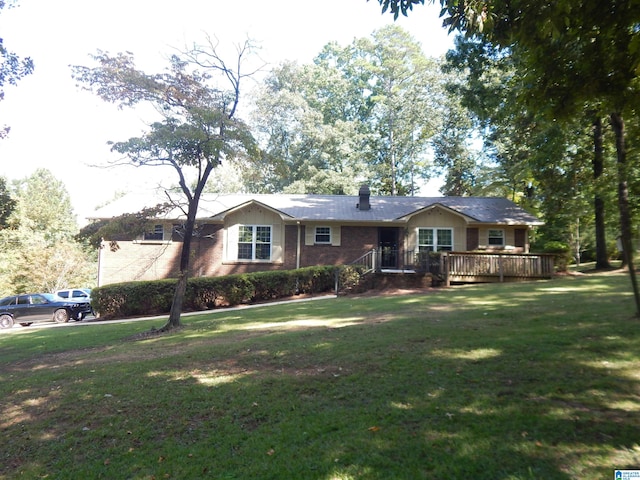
205	293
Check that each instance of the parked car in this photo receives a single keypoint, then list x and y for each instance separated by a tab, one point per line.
80	294
76	294
40	307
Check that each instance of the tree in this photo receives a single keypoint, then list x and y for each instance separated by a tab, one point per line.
42	254
365	111
453	152
306	133
12	67
400	90
198	127
7	203
576	55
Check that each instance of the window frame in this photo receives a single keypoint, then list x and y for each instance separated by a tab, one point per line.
327	234
255	244
435	245
502	237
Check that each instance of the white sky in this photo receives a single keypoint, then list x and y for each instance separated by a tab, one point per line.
56	126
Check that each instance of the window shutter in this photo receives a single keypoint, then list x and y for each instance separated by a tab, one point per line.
309	234
335	236
231	243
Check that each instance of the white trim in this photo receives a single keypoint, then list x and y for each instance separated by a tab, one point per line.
254	243
315	235
434	232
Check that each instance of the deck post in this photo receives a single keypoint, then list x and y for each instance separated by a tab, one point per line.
445	267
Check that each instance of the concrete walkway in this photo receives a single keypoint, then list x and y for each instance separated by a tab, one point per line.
97	321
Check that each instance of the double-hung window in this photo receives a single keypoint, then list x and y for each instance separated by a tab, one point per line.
435	239
254	242
496	237
323	235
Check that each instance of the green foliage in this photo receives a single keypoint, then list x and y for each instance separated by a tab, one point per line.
365	111
202	293
129	225
43	254
562	254
395	7
7	203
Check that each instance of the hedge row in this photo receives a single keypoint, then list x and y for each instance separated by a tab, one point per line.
205	293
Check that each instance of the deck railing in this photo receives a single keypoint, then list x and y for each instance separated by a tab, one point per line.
450	267
501	267
482	266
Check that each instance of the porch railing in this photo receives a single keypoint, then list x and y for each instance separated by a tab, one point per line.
480	266
497	266
369	261
461	266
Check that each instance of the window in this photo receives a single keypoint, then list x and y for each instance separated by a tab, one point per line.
496	237
157	233
7	301
435	239
254	242
38	300
323	235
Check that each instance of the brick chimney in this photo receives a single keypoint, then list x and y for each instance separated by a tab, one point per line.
364	194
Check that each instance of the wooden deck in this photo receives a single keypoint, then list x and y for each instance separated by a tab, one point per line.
465	267
471	267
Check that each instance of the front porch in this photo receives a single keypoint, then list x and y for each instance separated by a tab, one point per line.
461	267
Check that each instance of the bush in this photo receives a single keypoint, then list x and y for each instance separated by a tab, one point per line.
562	254
205	293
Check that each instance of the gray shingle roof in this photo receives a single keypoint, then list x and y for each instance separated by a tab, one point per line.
341	208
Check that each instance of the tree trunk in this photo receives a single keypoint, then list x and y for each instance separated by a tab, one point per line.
183	275
602	258
185	254
617	123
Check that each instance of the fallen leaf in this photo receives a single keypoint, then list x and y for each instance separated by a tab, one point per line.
160	459
107	461
271	452
374	429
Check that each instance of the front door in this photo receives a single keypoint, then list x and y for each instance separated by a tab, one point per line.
388	243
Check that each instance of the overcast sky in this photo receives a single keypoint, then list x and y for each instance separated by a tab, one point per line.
56	126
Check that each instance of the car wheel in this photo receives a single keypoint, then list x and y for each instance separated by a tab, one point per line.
61	316
6	321
26	324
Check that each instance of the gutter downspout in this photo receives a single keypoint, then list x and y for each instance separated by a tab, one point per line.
298	248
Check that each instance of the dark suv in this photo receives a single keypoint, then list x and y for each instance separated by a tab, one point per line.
40	307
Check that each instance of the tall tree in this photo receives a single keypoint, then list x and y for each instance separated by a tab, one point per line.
575	53
43	254
453	153
304	139
365	111
197	130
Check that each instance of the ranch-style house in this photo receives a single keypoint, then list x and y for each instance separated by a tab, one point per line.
245	233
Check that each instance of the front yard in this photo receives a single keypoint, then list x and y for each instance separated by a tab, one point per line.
503	381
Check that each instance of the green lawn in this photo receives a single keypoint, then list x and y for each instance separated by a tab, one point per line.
515	381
